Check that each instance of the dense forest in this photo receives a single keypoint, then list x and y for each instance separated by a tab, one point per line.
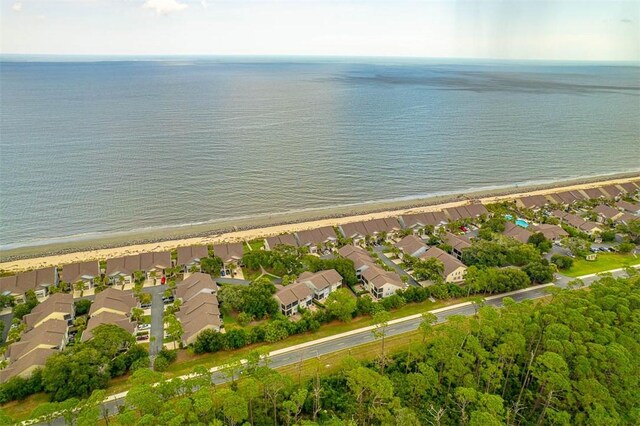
571	359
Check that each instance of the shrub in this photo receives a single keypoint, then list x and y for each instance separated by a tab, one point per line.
562	261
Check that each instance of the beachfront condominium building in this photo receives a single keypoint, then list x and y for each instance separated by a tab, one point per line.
280	240
81	272
151	265
39	280
315	239
419	223
189	257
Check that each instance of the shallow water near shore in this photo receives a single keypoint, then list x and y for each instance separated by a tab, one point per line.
144	149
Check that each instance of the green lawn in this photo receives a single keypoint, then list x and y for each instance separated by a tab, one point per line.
604	262
20	410
254	244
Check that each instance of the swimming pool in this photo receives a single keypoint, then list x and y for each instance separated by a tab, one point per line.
522	223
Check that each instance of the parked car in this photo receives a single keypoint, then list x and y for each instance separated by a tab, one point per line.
144	326
167	300
145	337
145	305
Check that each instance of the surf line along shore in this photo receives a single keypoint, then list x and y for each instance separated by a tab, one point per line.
79	251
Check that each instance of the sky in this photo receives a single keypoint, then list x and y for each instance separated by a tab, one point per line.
590	30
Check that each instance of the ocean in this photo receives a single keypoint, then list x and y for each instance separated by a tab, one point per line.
92	147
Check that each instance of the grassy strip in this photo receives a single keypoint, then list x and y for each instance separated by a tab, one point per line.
604	262
187	360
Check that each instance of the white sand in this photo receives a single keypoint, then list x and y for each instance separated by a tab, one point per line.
246	235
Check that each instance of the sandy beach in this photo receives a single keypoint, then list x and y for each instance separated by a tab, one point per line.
249	229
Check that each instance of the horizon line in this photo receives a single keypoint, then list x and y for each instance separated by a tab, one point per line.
310	56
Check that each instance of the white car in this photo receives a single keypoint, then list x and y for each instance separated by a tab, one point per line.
144	326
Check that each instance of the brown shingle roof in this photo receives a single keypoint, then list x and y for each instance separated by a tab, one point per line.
594	193
424	219
199	313
449	262
630	207
36	358
126	265
292	293
606	211
57	302
51	333
75	272
228	252
534	201
628	187
317	236
457	242
378	277
514	231
410	245
611	190
551	232
321	279
359	256
104	317
190	254
113	299
195	284
285	239
30	280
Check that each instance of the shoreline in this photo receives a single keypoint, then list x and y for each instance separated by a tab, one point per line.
251	228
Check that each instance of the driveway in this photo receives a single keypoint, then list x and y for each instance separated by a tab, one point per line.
398	269
157	318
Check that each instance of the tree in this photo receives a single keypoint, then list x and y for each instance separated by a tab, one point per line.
341	304
577	246
426	325
109	340
82	367
22	309
174	328
381	322
540	242
211	265
626	247
539	273
82	306
431	269
563	262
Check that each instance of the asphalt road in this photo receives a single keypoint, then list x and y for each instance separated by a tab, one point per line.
157	319
323	347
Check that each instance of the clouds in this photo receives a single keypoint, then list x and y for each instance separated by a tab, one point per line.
17	6
164	7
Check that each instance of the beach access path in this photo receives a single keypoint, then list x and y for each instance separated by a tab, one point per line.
313	349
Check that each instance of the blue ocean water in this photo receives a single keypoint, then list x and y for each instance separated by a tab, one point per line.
97	146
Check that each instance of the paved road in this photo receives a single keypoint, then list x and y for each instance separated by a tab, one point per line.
400	326
398	269
157	318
